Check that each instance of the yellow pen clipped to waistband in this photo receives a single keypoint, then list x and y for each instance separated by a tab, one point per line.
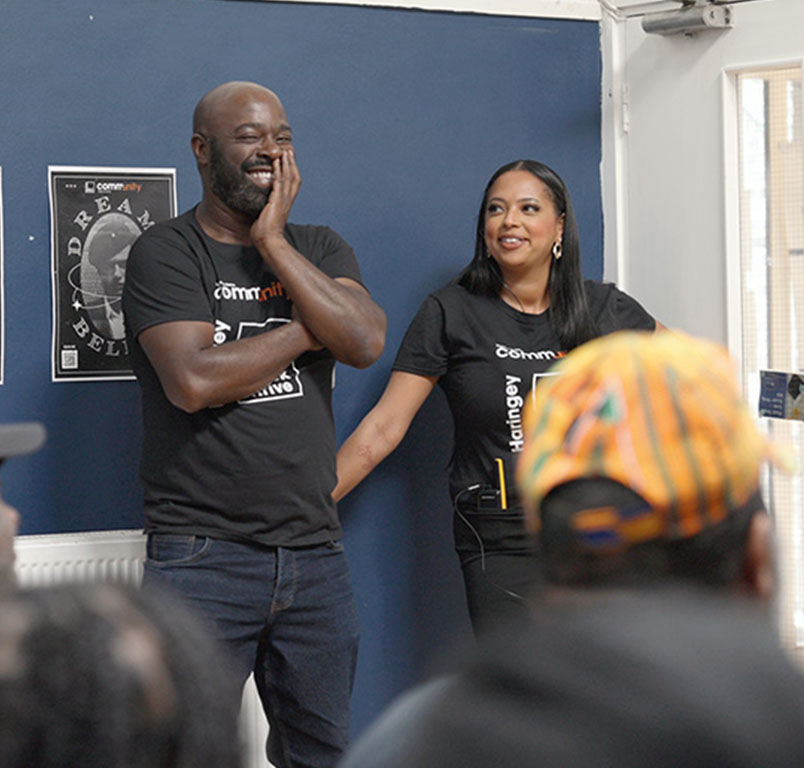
501	474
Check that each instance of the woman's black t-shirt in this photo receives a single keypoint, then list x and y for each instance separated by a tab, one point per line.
488	357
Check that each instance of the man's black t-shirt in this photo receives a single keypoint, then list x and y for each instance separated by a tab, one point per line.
488	357
261	469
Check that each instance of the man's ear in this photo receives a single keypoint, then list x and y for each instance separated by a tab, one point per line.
760	560
200	145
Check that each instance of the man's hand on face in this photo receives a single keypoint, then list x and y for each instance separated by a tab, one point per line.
271	222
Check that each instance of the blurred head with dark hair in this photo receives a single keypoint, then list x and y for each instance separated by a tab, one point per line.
100	676
642	464
16	439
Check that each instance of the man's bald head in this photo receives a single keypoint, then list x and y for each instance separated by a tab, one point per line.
220	98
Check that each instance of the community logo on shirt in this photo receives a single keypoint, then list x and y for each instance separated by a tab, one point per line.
288	383
515	353
515	392
227	291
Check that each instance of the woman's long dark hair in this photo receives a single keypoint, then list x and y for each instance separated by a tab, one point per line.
569	311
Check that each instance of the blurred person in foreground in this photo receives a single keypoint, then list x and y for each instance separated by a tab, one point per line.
16	439
104	676
652	643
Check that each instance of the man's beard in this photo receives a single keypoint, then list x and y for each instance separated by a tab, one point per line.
233	187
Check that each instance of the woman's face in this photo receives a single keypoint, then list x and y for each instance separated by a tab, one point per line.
522	222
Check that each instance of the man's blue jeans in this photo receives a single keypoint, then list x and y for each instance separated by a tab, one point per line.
289	616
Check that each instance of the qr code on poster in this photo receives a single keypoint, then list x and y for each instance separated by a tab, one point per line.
69	359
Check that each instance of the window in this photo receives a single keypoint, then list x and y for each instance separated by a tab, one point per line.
771	211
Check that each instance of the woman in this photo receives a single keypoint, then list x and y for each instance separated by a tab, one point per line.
486	339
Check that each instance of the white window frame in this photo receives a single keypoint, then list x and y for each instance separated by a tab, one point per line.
731	182
733	272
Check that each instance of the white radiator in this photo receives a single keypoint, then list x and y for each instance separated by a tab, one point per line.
80	557
102	556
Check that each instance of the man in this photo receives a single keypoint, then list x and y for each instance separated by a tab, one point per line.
16	439
235	319
651	644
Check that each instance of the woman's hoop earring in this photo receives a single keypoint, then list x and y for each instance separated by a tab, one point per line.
558	249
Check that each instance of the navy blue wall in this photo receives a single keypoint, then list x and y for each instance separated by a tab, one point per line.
399	118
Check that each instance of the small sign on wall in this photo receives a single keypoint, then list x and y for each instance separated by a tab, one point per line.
96	214
781	395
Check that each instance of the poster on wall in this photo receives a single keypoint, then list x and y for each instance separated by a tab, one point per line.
2	289
96	214
781	395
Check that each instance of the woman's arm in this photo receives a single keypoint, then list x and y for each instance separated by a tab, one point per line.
382	429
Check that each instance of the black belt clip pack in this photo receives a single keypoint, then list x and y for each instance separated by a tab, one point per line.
483	497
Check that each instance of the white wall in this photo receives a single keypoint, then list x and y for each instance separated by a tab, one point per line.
663	159
564	9
664	203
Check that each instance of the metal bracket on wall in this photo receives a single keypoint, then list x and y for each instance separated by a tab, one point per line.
694	16
665	17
